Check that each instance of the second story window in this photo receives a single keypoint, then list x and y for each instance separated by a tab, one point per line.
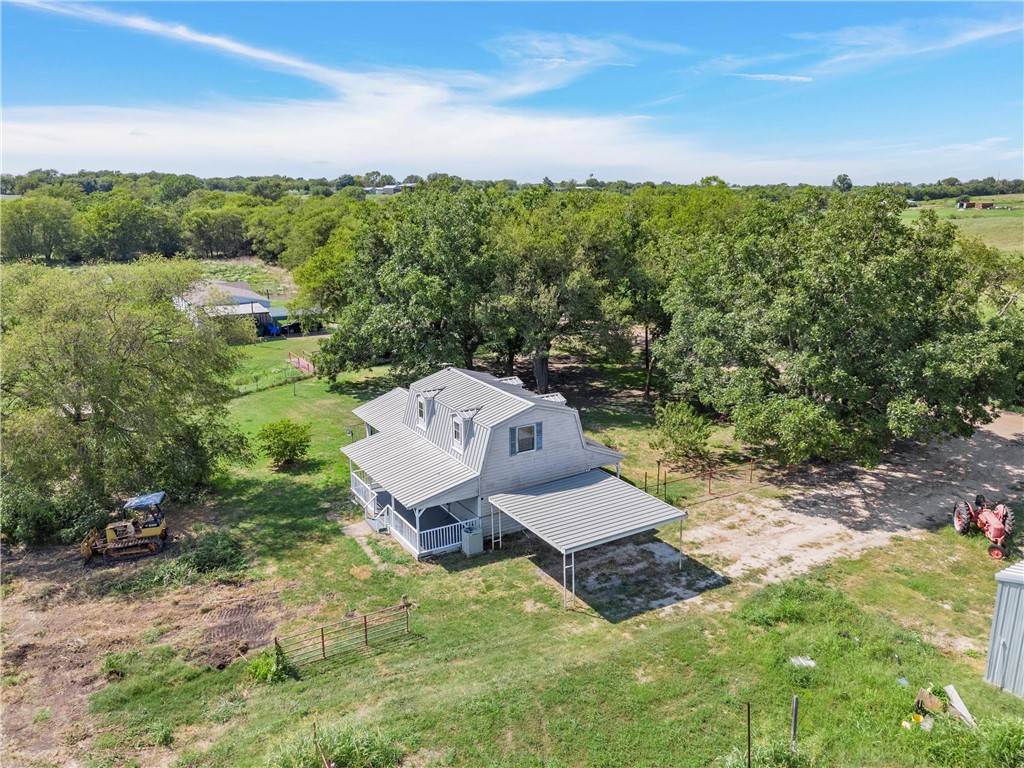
421	412
526	439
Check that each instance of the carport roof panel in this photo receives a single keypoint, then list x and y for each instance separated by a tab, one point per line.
582	511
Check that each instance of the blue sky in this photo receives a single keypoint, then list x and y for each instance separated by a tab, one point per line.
752	92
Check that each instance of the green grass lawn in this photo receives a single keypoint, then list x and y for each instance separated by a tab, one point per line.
265	363
1002	229
258	276
495	672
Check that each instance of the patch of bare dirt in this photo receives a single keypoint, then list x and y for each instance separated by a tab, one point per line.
55	635
842	510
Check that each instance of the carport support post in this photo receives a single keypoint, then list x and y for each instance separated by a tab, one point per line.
566	566
680	544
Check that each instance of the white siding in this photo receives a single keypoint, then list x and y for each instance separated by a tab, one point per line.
562	453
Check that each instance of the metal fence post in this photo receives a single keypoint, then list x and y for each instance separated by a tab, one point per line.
711	473
323	644
366	631
645	482
748	734
792	732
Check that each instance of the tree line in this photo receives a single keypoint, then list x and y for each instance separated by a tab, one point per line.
820	326
818	322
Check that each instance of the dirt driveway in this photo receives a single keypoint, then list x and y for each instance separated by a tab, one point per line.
842	510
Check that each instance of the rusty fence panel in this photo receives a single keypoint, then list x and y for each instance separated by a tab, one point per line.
349	634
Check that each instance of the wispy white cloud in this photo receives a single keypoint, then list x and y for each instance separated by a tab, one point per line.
184	34
425	120
542	61
730	63
854	48
776	78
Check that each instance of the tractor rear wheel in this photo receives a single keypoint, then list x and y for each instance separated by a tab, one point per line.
996	551
961	518
1008	523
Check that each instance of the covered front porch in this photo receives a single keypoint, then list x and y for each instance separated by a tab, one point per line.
422	531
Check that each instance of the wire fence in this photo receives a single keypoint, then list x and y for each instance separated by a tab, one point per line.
706	485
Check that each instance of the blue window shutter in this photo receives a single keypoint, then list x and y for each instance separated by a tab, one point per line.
512	446
540	434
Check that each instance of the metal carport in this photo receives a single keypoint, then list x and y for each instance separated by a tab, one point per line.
583	511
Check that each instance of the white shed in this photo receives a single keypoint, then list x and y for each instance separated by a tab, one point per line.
1005	664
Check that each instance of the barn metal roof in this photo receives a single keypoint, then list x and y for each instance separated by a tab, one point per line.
413	470
384	411
582	511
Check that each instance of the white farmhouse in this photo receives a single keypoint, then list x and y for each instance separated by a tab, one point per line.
462	456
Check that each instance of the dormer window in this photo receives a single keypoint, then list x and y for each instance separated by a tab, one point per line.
425	407
457	433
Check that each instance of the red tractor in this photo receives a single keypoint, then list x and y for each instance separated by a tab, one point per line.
995	522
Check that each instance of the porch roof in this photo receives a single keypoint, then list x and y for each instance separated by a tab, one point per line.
384	411
582	511
413	470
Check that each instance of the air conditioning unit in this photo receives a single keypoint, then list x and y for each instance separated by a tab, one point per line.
472	538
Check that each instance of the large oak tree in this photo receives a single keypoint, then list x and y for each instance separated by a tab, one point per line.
827	326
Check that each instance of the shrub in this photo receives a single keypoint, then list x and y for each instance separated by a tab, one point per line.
682	433
213	551
271	667
284	441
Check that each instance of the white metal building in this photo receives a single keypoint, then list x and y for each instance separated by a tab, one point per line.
1005	664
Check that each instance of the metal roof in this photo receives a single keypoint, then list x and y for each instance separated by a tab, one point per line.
413	470
582	511
224	310
596	447
458	390
1012	575
385	411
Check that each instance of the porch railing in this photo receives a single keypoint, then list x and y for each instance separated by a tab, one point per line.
400	527
443	539
361	490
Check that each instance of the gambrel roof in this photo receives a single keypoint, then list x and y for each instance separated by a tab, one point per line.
495	400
